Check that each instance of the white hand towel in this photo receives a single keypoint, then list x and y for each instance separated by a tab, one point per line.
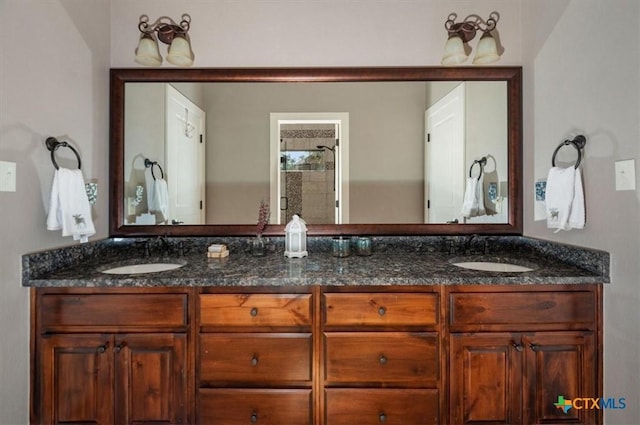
161	199
577	216
69	208
565	199
473	201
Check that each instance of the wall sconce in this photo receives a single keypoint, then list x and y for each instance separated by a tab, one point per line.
169	32
460	33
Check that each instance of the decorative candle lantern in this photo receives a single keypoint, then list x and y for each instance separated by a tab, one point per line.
295	243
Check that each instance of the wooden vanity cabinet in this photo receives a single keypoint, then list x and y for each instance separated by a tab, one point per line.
313	355
110	356
381	356
513	350
255	357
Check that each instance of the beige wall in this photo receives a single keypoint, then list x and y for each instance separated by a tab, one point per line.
144	131
54	61
486	136
54	80
583	81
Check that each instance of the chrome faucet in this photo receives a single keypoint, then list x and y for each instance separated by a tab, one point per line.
467	244
163	241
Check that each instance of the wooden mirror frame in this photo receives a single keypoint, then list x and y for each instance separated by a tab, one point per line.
512	76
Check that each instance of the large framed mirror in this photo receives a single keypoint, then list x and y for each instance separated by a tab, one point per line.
375	151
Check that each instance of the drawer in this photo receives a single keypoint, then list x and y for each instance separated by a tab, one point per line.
380	309
260	406
382	357
128	310
253	310
523	308
382	406
255	357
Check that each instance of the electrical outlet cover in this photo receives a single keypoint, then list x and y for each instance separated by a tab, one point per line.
7	176
625	174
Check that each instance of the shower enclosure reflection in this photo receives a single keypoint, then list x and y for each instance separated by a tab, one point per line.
307	173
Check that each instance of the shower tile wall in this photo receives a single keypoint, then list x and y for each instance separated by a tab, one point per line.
309	193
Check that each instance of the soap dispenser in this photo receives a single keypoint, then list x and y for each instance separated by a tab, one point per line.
295	242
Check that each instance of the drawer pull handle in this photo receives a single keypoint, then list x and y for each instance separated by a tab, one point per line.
254	417
254	360
382	417
254	312
518	347
382	311
382	360
102	348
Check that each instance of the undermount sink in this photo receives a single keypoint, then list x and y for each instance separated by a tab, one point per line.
143	267
494	265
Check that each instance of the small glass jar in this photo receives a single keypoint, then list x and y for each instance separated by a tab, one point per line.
258	246
341	247
363	246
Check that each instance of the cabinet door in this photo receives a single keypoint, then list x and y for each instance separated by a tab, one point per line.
150	378
486	378
560	364
77	379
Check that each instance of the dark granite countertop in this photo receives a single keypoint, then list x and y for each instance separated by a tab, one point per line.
424	260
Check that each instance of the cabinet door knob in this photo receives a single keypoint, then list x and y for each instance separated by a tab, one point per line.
254	417
118	348
254	360
382	311
102	348
518	347
382	417
254	312
383	359
533	347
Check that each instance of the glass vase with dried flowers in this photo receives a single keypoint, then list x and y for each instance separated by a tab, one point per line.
258	246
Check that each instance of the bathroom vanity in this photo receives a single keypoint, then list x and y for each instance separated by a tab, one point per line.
400	337
408	335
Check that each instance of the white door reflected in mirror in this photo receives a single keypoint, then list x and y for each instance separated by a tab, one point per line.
185	158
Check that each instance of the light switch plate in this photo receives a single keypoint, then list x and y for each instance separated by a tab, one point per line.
7	176
625	174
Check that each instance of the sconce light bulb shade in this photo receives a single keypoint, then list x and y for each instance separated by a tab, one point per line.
487	50
454	53
180	52
147	53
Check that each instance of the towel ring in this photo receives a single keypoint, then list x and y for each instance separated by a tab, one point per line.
481	163
53	144
149	164
578	142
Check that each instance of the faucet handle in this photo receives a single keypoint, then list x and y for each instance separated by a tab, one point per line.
180	249
450	245
145	245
